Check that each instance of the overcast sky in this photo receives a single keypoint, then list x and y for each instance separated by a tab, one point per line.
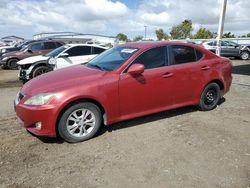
27	17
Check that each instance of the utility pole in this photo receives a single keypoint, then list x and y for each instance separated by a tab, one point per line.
145	31
221	26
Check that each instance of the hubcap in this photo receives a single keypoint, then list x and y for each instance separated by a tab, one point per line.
210	97
244	56
81	122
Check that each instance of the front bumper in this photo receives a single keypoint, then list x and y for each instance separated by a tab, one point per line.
2	62
45	115
23	74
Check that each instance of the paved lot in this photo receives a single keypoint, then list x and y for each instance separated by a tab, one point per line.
179	148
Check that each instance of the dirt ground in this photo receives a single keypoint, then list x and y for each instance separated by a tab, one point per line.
178	148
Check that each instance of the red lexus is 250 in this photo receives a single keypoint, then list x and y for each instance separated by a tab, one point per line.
124	82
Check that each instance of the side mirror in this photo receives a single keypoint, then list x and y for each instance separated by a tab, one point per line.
136	69
30	51
64	55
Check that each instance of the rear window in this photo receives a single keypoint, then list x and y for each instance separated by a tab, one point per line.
97	50
183	54
49	45
199	55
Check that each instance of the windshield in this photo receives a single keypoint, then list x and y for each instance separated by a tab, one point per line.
55	52
112	58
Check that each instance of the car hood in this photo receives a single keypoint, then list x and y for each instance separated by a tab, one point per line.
31	60
65	78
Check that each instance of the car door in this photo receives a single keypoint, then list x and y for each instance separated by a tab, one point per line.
150	91
188	73
231	48
36	49
76	55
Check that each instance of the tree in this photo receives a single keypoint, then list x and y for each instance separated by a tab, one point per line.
203	33
228	35
161	35
122	37
182	31
248	34
138	38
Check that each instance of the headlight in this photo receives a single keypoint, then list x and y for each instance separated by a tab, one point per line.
3	50
5	58
52	61
40	99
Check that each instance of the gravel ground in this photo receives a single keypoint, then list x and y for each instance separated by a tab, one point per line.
178	148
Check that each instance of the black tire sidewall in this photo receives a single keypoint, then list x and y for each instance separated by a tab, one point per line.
10	62
34	73
202	106
62	129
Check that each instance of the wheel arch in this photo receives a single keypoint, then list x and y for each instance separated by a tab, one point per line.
38	64
75	101
219	82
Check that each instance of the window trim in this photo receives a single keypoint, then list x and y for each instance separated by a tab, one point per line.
124	71
172	62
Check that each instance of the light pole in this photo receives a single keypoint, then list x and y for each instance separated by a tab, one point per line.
221	26
145	31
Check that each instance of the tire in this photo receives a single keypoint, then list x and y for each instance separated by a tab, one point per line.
210	97
40	70
72	126
12	64
244	55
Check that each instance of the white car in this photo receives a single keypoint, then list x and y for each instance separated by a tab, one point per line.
64	56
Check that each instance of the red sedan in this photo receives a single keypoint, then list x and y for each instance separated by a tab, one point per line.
125	82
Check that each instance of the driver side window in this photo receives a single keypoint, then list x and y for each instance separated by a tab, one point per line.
152	58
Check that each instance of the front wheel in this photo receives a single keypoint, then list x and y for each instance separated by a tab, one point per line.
80	122
40	70
210	97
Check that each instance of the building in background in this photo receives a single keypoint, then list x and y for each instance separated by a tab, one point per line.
72	37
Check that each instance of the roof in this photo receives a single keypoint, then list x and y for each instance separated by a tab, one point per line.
94	45
145	45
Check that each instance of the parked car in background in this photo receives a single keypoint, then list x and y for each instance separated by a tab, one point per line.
15	48
229	49
9	60
64	56
124	82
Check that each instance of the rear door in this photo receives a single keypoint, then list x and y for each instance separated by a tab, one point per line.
188	73
150	91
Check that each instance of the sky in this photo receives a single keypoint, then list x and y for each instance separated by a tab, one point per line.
25	18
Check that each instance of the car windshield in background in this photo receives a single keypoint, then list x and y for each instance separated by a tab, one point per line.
112	58
55	52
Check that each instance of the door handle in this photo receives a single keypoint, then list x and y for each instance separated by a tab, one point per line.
167	75
205	68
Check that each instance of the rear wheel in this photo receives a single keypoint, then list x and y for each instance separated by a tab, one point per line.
12	64
40	70
244	55
80	122
210	97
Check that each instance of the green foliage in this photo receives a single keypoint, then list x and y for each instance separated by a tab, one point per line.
122	37
161	35
138	38
248	34
228	35
203	33
182	31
